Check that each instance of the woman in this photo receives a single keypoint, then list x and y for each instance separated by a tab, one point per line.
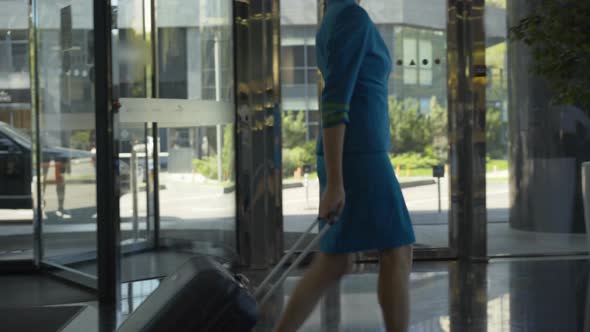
360	193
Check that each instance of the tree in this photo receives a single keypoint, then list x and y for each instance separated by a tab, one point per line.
496	3
228	152
294	129
495	140
440	131
557	32
81	140
409	129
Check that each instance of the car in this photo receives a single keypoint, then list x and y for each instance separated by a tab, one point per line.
16	172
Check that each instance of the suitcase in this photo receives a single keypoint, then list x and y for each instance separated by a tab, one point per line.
203	296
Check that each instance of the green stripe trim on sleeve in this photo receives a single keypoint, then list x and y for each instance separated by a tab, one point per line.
335	106
339	115
334	120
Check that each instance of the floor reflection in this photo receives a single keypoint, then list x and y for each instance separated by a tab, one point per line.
134	293
500	296
548	295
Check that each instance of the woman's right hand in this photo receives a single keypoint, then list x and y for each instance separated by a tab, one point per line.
332	203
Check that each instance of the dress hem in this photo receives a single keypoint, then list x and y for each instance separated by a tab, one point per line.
376	248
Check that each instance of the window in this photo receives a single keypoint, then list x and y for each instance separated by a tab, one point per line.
425	65
311	57
424	105
417	60
410	63
14	51
293	56
294	76
7	145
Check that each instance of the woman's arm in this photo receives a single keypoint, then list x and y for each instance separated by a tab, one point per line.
345	49
333	146
333	198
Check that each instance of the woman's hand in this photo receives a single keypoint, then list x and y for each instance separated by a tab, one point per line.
332	203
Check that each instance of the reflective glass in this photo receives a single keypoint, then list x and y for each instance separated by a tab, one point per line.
66	90
535	147
16	165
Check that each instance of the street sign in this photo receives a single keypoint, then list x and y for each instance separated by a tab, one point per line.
306	169
438	171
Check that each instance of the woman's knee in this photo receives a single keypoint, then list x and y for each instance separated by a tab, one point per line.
336	265
399	259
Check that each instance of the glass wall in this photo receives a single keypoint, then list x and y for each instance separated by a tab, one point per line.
535	148
15	131
193	107
497	175
67	126
131	67
415	33
195	63
299	92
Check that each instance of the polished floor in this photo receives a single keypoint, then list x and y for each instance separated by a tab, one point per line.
499	296
504	295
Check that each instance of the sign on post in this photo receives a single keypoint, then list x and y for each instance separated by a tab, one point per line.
438	172
306	169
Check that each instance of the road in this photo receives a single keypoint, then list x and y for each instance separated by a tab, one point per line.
185	200
186	204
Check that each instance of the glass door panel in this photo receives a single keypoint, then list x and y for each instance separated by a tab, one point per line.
193	109
415	33
67	131
300	119
418	110
132	70
16	172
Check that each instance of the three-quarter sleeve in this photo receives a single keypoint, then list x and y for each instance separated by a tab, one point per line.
345	50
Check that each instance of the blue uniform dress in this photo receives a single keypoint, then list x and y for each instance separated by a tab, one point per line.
355	67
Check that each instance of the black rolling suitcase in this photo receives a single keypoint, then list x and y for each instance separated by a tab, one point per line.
203	296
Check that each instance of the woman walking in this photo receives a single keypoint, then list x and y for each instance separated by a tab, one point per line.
360	192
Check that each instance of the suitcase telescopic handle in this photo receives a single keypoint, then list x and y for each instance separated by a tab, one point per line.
283	262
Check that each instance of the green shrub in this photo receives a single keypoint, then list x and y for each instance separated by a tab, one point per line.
414	132
413	160
228	152
294	129
289	162
297	157
206	167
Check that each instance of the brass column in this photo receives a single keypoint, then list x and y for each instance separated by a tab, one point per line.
467	101
258	132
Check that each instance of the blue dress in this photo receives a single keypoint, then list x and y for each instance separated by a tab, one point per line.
355	66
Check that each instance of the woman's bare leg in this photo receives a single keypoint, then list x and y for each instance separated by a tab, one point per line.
325	270
393	289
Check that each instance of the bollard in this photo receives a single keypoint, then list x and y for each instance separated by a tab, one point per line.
134	191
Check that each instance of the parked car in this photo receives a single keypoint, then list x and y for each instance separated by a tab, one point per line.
16	173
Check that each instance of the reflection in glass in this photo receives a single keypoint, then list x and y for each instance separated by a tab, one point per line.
15	127
134	293
534	188
195	65
65	65
300	119
130	69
